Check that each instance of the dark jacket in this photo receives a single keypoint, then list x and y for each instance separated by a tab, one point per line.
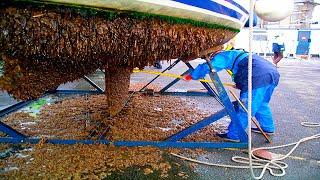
263	73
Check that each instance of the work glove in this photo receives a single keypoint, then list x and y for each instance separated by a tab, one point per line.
234	86
187	77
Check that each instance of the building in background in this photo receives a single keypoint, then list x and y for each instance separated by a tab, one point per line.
300	32
306	14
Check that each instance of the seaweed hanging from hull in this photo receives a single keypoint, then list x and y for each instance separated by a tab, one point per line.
44	46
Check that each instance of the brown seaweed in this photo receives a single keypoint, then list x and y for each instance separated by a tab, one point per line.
43	48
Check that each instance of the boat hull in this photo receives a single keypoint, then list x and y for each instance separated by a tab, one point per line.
226	13
46	45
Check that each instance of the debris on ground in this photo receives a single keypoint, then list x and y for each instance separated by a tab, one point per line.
67	119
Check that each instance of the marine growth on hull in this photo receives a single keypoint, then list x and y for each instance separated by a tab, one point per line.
44	45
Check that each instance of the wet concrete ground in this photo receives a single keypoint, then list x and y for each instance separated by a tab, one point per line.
295	100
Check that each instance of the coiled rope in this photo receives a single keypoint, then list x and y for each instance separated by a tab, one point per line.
259	163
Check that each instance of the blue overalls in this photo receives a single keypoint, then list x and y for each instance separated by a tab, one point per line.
265	78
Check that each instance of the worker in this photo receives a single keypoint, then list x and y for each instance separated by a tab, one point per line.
278	47
265	78
157	64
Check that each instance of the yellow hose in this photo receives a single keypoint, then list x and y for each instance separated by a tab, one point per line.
136	70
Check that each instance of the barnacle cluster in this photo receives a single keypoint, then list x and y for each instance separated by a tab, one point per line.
44	45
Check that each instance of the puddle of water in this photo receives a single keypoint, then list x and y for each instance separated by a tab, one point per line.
27	123
177	122
165	129
179	90
22	155
10	169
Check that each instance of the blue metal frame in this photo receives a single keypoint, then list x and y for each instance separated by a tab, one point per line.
206	85
186	93
99	89
162	144
81	92
172	141
221	96
227	103
17	135
168	68
14	107
10	131
195	127
210	90
18	105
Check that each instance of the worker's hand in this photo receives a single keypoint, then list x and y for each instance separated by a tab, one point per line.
234	86
187	77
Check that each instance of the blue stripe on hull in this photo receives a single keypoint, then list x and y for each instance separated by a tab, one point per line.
216	7
239	6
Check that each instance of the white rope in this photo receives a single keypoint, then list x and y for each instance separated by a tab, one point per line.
252	2
310	124
258	163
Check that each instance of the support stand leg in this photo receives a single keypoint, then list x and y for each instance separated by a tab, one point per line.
227	103
10	131
221	97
